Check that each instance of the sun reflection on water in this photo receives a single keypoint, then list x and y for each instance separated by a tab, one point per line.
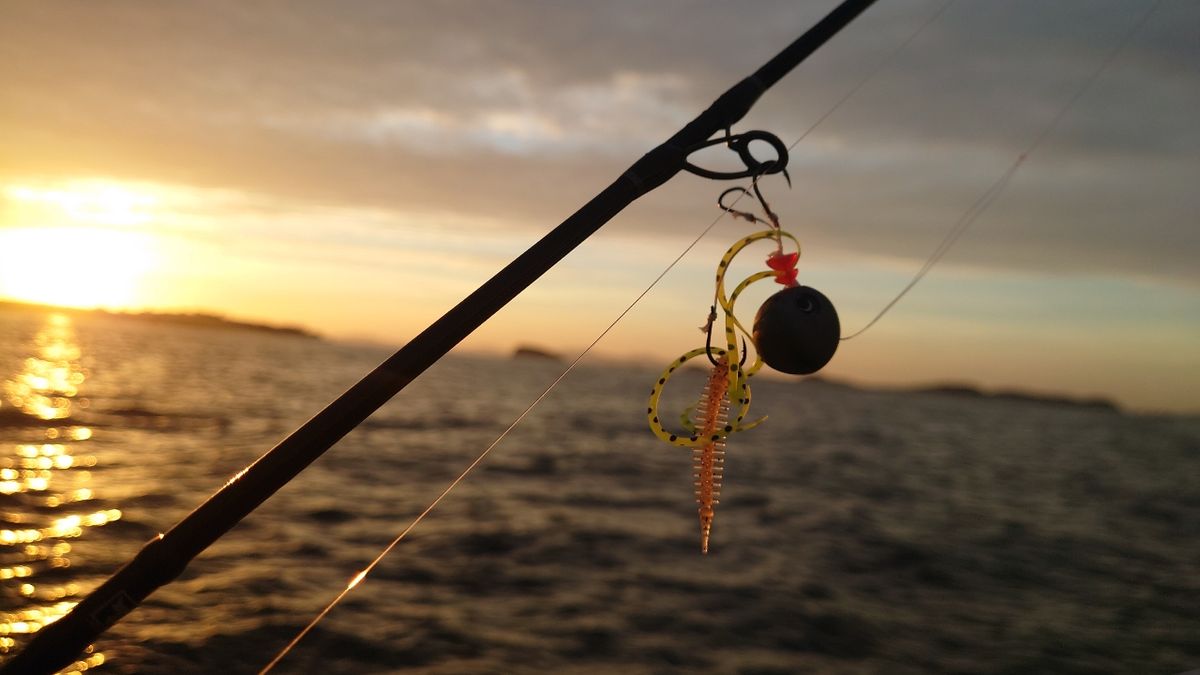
51	379
44	498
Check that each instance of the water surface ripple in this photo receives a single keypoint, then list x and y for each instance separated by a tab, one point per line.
859	532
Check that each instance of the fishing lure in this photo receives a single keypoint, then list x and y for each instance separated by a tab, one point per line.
795	331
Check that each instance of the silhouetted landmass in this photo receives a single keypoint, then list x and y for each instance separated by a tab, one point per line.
526	351
199	319
968	391
827	382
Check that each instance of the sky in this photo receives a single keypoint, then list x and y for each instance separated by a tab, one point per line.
359	167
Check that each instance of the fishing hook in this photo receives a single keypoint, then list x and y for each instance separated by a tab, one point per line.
772	218
712	317
708	341
744	215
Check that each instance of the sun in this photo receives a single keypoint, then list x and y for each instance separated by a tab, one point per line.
74	266
79	245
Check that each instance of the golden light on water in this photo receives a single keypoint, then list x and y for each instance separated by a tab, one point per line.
47	387
46	470
77	244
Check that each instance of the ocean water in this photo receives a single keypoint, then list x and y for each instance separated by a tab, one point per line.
859	532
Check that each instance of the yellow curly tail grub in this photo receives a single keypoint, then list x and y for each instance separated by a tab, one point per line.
707	424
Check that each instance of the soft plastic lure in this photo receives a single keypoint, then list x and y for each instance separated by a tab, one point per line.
796	331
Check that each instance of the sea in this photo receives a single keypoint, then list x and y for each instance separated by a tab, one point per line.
858	531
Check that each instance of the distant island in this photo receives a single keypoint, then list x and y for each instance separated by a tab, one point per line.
971	391
197	319
529	352
968	391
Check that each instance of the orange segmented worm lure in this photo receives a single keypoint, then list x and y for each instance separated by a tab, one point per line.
796	331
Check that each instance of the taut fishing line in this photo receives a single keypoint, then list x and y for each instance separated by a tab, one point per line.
571	366
993	191
454	483
883	63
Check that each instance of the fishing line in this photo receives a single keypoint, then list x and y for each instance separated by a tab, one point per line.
454	483
998	186
571	366
883	63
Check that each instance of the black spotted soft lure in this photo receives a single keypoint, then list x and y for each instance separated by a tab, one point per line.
795	331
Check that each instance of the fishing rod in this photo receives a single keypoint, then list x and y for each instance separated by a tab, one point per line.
164	558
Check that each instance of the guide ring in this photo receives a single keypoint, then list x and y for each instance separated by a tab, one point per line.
740	143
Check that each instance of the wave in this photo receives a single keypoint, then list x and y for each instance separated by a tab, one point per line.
426	423
11	418
146	419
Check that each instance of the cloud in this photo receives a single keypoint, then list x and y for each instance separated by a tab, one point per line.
520	111
507	116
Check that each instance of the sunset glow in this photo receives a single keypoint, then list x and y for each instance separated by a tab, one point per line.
366	208
93	202
75	266
76	244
